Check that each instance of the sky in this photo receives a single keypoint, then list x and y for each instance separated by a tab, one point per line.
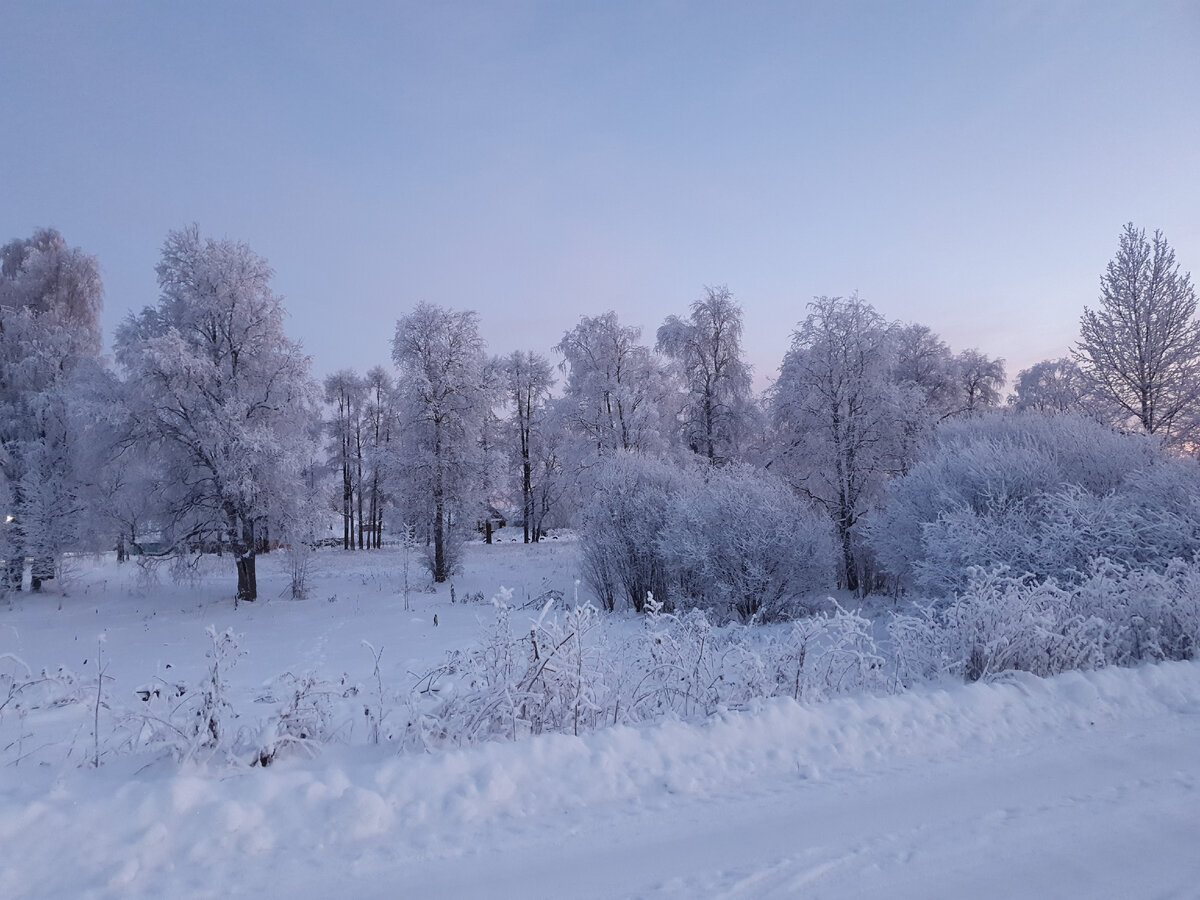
964	165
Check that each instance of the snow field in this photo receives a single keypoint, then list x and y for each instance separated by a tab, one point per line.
363	812
1085	784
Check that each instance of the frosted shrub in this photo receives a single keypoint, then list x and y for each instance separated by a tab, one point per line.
552	679
682	667
731	541
999	623
825	655
620	527
566	676
304	721
742	543
1042	495
1149	615
184	720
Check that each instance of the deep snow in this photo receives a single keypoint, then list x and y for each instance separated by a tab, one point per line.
1087	784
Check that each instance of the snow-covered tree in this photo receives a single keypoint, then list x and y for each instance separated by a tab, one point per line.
840	416
444	396
707	349
1051	386
220	397
380	426
615	386
1140	349
345	400
528	380
924	361
50	300
980	380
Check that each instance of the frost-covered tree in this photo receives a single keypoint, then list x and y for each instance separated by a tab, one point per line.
220	397
615	386
381	427
1051	386
345	400
50	300
528	380
924	361
980	380
444	396
840	416
706	347
1140	349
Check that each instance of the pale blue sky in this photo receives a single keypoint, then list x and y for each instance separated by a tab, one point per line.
965	165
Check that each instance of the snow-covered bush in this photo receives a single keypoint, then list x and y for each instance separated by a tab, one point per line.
553	679
731	541
620	528
1042	495
1149	615
742	542
825	655
306	719
567	676
1001	623
184	719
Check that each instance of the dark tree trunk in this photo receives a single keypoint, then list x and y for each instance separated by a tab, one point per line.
247	587
361	523
347	503
439	543
41	571
440	567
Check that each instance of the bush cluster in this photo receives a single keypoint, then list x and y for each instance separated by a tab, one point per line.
1044	496
733	541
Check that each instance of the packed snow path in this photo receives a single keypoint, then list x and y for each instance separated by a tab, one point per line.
1081	785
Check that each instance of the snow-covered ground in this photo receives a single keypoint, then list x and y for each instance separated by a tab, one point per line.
1087	784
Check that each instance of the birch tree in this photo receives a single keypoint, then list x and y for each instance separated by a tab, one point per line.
615	387
528	380
220	396
840	416
1140	349
707	349
444	397
345	398
50	300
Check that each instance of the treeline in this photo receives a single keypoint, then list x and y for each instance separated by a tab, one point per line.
871	463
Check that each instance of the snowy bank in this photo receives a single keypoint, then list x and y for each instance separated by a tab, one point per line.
361	813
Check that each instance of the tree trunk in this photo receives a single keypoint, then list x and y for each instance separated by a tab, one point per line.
527	492
247	587
440	572
439	543
361	523
14	570
42	570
